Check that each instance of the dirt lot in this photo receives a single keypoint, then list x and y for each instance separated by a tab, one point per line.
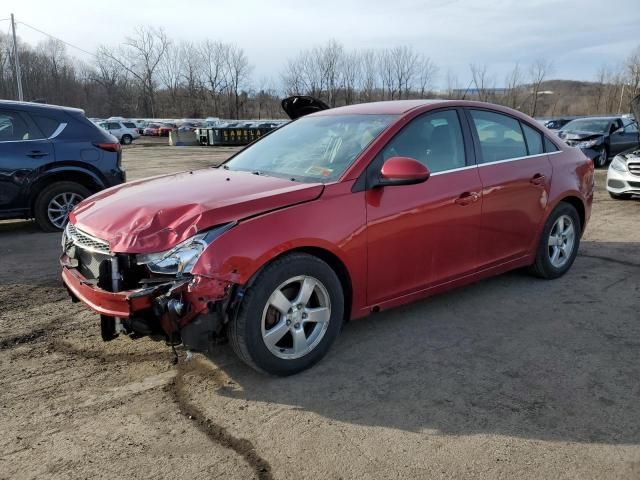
510	378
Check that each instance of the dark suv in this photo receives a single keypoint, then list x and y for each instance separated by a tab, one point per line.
51	158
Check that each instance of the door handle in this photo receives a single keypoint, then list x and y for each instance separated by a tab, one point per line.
37	154
537	179
467	198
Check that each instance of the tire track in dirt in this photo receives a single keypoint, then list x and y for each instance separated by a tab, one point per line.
612	260
179	391
29	337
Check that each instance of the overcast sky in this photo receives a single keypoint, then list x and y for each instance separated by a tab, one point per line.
578	36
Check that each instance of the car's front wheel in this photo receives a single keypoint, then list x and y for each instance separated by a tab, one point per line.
53	204
601	160
559	242
127	139
289	316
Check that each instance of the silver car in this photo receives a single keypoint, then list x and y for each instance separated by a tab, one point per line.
623	177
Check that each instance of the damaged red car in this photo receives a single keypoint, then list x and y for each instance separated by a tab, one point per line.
340	213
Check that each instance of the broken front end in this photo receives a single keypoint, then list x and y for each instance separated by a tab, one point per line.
148	294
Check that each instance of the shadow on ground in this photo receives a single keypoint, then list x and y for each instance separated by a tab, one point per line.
513	355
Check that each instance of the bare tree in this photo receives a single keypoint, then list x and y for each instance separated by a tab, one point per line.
369	74
452	85
514	88
238	68
351	68
141	55
537	74
427	71
481	81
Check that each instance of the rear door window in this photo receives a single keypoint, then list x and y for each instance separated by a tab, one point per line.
500	136
534	139
16	127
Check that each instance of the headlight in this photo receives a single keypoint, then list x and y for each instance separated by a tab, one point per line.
181	258
588	143
619	164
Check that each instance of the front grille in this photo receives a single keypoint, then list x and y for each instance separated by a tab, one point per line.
86	241
634	168
90	263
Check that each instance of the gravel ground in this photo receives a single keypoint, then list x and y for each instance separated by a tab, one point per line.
512	377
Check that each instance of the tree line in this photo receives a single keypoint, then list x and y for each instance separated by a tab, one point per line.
151	75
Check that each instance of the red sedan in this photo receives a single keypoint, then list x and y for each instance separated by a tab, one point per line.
338	214
165	128
152	129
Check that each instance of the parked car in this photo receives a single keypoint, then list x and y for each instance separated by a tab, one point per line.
165	128
601	137
124	131
338	214
152	129
51	158
623	176
556	123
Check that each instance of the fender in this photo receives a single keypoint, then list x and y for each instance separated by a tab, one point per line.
64	168
238	254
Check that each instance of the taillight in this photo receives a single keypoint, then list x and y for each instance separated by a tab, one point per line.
109	147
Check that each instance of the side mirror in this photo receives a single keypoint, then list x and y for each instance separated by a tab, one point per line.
619	131
402	171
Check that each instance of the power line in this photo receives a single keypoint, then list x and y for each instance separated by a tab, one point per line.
56	38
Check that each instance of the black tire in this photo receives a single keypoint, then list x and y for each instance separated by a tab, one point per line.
620	196
41	205
542	267
126	139
245	330
601	160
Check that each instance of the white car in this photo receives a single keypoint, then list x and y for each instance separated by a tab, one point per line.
123	132
623	176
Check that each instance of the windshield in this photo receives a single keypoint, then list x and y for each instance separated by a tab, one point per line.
315	149
599	125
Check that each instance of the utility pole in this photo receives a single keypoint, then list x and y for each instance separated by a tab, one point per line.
16	60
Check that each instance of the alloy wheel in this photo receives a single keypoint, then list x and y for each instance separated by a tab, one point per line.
60	206
296	317
561	241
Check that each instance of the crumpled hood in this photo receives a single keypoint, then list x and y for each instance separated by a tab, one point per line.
155	214
580	135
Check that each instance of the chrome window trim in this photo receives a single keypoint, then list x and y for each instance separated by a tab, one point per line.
479	165
58	131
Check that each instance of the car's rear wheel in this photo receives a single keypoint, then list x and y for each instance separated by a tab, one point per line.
289	316
601	160
559	242
53	204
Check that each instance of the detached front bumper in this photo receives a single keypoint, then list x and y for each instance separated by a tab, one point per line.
151	306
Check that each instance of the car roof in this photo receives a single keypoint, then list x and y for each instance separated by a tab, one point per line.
37	106
401	107
598	118
389	107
